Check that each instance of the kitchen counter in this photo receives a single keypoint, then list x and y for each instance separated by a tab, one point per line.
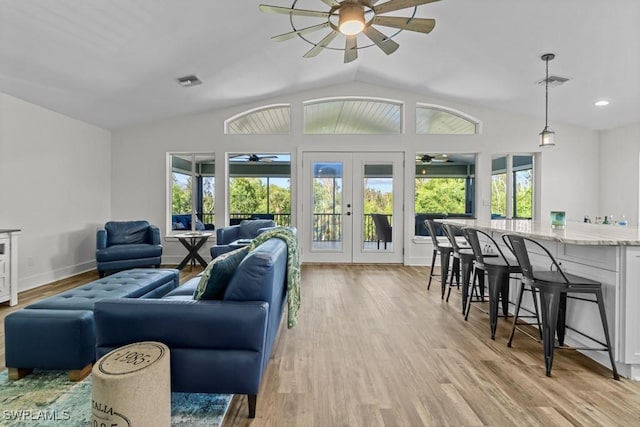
575	233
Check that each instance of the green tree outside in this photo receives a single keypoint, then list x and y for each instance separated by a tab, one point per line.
441	195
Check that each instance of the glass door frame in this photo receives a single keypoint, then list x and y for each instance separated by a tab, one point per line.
353	248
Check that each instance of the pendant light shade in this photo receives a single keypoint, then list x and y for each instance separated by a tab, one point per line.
547	136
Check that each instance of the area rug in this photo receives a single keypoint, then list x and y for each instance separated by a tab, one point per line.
48	398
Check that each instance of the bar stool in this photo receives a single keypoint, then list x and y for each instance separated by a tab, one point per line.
554	286
524	287
444	249
498	270
462	260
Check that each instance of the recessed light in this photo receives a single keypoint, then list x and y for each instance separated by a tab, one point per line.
601	103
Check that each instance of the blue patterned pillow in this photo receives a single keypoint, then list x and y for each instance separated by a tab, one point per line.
217	275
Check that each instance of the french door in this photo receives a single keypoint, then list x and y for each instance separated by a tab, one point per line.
352	207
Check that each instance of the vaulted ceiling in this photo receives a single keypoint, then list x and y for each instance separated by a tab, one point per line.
113	63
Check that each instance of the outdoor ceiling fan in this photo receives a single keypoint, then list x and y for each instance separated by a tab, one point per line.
254	157
350	18
427	158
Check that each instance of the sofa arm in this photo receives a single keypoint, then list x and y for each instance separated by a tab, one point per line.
154	235
181	323
101	238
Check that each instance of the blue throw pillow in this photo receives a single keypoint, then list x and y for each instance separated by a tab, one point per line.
217	275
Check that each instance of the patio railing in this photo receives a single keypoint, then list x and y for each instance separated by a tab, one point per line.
327	227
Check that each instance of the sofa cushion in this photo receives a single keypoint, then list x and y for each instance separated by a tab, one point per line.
122	252
126	232
261	275
250	228
216	276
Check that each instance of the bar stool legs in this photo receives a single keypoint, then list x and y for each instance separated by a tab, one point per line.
444	270
553	302
605	325
550	304
433	264
498	290
516	315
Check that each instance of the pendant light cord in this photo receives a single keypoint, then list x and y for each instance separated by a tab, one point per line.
546	96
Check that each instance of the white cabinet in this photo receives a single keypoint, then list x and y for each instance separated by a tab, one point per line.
9	266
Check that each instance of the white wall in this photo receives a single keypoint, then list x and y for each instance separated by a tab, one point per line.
139	153
619	162
55	185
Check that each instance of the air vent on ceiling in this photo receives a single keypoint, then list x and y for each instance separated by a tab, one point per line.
188	81
554	81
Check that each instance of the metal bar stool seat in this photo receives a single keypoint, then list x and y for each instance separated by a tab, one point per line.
498	270
554	287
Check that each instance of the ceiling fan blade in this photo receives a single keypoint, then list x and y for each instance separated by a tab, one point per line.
290	11
420	25
330	3
387	45
392	5
292	34
321	45
351	48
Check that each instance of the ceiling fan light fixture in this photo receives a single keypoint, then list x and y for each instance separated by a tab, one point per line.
351	19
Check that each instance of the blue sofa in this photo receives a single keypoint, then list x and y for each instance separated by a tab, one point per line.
247	229
127	244
217	346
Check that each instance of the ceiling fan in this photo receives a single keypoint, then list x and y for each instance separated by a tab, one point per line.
427	158
254	157
351	17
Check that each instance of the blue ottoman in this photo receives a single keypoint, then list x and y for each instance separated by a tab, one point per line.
58	332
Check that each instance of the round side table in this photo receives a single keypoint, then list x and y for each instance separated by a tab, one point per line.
132	387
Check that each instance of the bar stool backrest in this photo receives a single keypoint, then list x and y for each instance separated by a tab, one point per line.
431	226
452	231
472	236
519	247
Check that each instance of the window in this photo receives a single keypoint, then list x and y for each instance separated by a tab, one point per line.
498	195
192	192
520	192
352	116
523	185
444	186
260	187
273	119
431	119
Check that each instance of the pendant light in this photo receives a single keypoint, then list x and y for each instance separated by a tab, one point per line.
547	136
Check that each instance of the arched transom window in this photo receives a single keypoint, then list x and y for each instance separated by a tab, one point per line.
431	119
352	116
271	119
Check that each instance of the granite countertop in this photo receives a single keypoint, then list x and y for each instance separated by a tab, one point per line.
575	233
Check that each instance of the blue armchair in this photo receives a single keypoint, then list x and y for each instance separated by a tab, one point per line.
247	229
127	244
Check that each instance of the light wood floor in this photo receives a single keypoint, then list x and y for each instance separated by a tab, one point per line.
373	348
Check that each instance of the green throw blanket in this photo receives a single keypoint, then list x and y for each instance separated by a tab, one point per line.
293	267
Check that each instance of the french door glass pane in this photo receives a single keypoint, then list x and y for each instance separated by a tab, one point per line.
377	207
327	205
